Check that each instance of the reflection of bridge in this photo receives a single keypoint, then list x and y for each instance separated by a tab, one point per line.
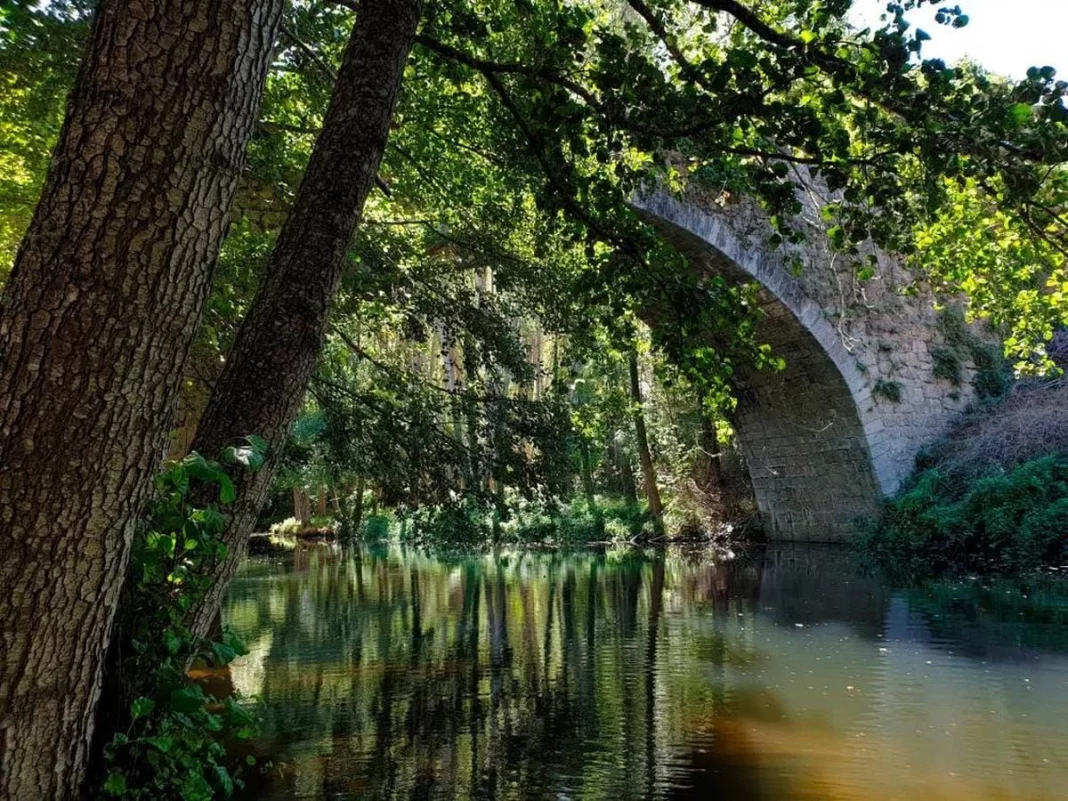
842	424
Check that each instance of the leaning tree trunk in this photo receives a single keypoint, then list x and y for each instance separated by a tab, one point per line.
95	326
263	383
652	492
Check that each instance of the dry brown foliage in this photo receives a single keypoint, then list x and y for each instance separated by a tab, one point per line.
1031	421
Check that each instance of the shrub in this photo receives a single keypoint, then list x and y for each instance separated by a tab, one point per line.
993	373
1011	521
521	520
947	365
288	528
378	527
168	734
891	390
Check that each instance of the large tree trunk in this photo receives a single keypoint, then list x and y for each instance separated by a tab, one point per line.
652	492
263	383
95	326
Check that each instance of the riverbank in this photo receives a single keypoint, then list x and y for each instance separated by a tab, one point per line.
990	497
516	521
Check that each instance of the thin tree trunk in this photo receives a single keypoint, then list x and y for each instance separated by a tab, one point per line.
712	474
95	326
652	493
587	474
357	509
263	383
626	472
301	507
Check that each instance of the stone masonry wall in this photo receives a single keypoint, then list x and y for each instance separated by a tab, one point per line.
841	426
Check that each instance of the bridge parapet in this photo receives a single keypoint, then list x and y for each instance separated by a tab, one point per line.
841	425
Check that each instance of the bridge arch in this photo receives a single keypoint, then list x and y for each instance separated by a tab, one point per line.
841	425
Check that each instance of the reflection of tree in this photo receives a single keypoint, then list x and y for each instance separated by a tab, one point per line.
394	675
655	598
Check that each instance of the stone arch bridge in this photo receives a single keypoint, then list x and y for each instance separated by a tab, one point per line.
840	427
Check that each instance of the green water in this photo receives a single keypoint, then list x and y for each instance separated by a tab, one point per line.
399	674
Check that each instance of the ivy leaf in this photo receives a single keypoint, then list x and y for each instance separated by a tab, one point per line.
224	654
141	706
163	743
188	699
250	455
235	643
225	781
116	784
226	488
258	443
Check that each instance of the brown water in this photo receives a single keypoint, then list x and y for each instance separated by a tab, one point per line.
397	674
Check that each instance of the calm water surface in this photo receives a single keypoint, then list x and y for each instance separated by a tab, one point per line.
397	674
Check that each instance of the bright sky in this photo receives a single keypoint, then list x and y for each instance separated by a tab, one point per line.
1005	36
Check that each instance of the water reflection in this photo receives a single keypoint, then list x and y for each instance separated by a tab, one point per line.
396	674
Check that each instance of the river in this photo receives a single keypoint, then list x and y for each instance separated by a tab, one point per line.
787	675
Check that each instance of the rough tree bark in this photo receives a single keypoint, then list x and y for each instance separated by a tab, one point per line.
263	383
652	492
95	326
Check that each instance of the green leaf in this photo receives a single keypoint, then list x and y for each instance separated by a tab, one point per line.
238	714
141	706
836	235
225	781
236	643
116	784
251	455
259	443
163	743
224	654
195	788
226	488
1021	113
188	699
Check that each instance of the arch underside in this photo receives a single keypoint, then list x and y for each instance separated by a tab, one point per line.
799	429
